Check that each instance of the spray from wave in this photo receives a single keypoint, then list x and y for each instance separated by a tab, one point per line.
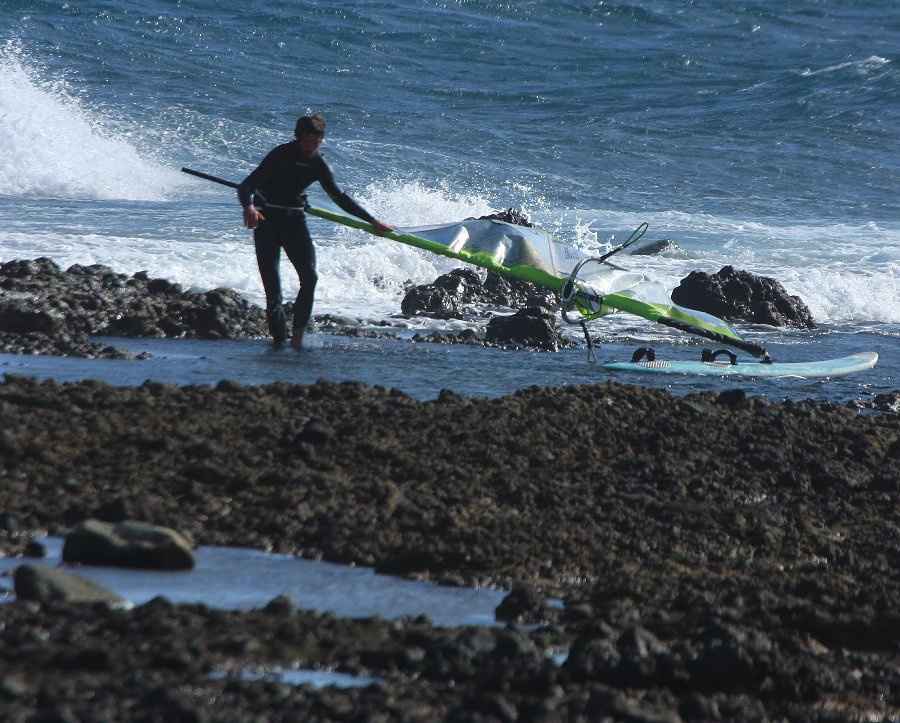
56	147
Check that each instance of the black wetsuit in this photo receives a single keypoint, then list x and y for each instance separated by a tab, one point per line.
281	180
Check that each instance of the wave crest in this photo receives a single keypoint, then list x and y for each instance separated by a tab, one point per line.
56	147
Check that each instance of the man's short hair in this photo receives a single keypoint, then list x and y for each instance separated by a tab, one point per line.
310	124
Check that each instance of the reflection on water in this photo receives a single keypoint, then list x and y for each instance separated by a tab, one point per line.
241	579
302	676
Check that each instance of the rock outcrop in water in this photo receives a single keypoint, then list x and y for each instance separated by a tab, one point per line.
462	292
48	585
741	296
510	215
662	246
49	311
532	327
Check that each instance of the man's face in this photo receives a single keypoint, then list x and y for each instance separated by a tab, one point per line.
308	143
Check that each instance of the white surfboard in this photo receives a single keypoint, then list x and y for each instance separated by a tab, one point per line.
723	367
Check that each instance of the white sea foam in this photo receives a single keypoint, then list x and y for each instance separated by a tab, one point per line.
54	147
866	65
845	273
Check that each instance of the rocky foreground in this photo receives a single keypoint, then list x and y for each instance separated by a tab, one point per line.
717	557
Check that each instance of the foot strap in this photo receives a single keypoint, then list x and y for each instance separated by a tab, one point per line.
710	356
645	352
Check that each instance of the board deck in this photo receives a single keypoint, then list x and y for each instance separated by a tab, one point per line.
805	370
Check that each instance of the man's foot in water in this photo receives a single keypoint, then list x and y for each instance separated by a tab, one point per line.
297	338
278	325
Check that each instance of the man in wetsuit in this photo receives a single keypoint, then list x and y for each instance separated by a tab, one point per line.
280	180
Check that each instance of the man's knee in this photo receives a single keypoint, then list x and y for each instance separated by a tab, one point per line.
309	278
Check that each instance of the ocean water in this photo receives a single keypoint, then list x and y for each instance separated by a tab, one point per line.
232	578
764	135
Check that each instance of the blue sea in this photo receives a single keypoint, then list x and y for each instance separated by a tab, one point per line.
764	135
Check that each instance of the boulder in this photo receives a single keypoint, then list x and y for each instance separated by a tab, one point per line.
887	402
498	290
128	544
531	326
741	296
425	298
525	604
451	293
657	247
18	320
43	583
510	215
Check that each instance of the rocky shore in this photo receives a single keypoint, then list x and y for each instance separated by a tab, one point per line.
718	557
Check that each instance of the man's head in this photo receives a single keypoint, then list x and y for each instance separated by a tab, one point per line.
313	125
310	131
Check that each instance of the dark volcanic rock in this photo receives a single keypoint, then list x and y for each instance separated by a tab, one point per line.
457	292
889	402
426	298
531	327
43	583
128	544
526	604
449	294
716	560
48	311
500	291
741	296
656	247
510	215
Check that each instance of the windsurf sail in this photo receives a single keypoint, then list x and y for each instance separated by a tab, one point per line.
533	254
590	287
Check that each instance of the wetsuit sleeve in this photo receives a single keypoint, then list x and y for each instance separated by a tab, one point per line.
257	178
326	179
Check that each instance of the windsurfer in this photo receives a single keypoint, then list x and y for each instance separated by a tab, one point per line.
273	198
